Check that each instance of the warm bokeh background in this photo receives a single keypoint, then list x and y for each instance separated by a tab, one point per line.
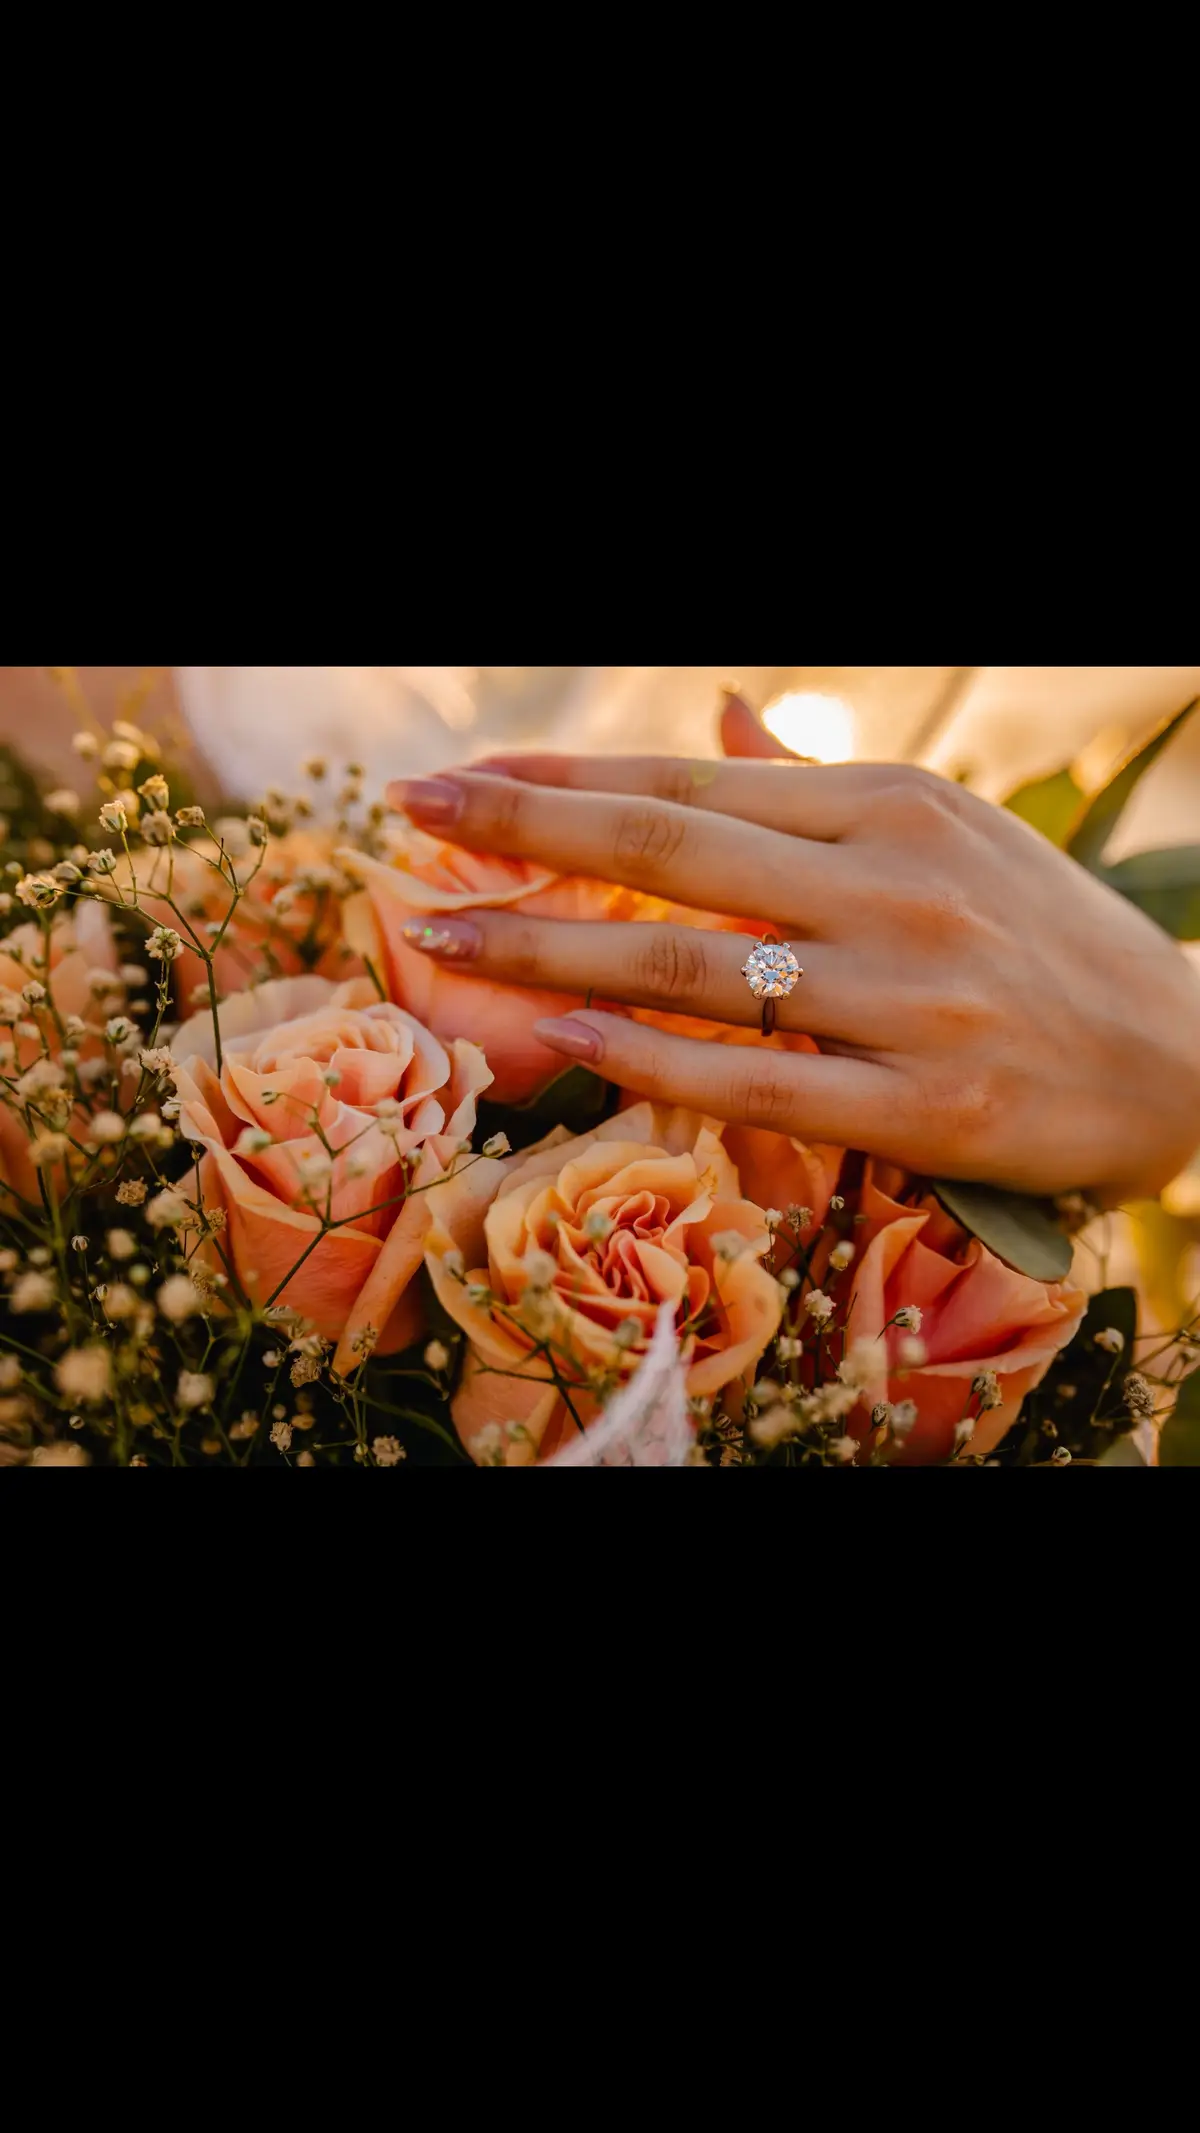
996	724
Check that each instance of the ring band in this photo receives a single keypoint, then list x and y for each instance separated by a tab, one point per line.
772	971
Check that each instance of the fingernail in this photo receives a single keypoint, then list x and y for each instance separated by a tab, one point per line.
455	939
576	1039
433	802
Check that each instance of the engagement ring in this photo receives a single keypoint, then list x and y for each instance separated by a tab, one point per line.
772	972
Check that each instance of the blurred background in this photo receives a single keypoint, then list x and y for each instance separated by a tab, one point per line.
995	726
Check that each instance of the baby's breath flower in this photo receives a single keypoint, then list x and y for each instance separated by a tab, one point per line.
799	1217
147	1126
860	1366
909	1320
365	1343
158	1060
119	1302
178	1299
540	1270
281	1437
1062	1457
841	1256
102	862
257	830
627	1334
10	1372
789	1279
1139	1395
819	1307
538	1313
488	1446
41	1255
122	756
844	1449
164	945
32	1292
121	1243
86	746
131	1194
912	1352
964	1432
113	817
9	1261
774	1218
39	891
243	1431
62	801
155	791
46	1148
85	1374
498	1145
837	1203
437	1356
190	817
167	1210
986	1389
905	1416
729	1244
598	1226
788	1349
305	1370
1111	1340
106	1128
119	1029
253	1141
773	1424
195	1389
388	1451
157	827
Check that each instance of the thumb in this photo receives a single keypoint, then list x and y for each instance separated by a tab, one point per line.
743	733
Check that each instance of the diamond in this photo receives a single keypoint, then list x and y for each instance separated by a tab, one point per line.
772	971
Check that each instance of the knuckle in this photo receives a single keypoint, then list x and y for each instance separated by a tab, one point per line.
920	805
676	783
507	813
648	838
670	964
524	953
767	1099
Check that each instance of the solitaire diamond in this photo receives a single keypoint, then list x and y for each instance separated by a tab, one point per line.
772	971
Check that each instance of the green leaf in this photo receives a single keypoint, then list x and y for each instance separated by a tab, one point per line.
1165	885
1026	1234
1051	805
1180	1441
1123	1453
576	1099
1090	838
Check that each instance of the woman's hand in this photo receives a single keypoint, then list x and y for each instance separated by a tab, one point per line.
984	1008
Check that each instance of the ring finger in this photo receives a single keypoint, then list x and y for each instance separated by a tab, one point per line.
680	969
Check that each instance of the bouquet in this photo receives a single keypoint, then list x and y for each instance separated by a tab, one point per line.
276	1190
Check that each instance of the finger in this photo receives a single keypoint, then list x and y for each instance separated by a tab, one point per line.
742	734
658	847
797	799
849	1102
683	970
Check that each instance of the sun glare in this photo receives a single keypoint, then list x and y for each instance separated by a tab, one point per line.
820	726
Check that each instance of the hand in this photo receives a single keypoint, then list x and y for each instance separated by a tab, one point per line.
984	1008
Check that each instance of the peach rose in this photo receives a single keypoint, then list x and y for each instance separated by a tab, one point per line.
977	1316
289	922
81	948
427	880
583	1241
395	1115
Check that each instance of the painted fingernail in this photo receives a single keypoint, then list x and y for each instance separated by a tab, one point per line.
576	1039
456	940
434	803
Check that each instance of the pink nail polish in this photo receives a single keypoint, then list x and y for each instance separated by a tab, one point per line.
433	803
454	940
576	1039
